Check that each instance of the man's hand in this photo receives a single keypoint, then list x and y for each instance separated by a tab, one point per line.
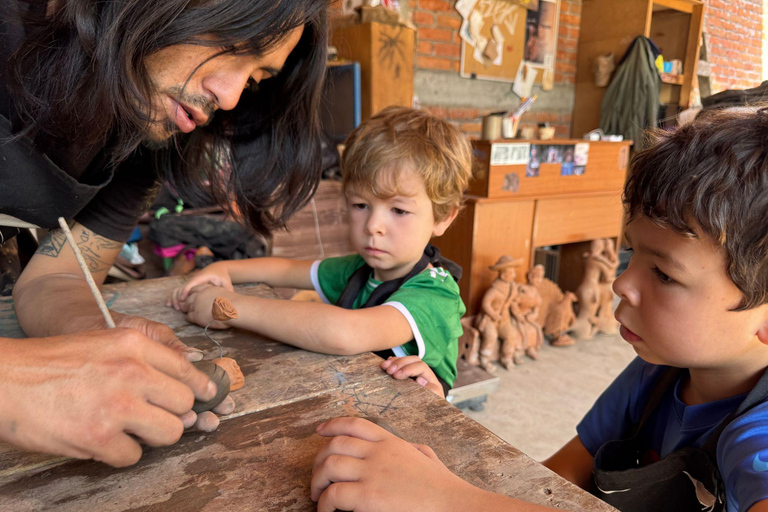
367	469
411	367
96	394
207	421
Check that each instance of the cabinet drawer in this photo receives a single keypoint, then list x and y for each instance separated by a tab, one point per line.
577	219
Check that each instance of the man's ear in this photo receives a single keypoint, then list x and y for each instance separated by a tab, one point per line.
442	225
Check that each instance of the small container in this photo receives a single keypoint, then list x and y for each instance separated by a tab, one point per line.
491	127
547	132
528	132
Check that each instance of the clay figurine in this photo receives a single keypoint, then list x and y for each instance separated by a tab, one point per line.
469	341
606	322
595	293
493	320
603	67
528	302
556	313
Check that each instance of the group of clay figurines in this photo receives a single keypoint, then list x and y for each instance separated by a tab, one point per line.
515	318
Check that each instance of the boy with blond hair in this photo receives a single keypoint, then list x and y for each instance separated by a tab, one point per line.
404	175
685	425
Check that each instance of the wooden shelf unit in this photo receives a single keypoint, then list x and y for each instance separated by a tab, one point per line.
549	209
610	26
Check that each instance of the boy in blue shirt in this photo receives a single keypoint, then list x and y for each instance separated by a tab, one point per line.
685	426
404	175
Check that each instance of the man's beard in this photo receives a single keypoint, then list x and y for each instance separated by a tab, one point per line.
152	143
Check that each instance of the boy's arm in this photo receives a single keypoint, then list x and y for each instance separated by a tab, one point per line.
760	506
309	325
272	271
366	468
573	462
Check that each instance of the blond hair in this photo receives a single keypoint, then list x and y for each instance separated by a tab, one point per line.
399	138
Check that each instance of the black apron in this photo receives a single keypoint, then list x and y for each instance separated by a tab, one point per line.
685	480
382	292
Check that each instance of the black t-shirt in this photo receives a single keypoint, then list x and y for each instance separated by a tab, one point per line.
43	181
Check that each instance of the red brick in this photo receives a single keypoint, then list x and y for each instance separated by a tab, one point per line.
425	48
449	21
463	113
423	19
439	63
436	5
436	111
435	34
447	50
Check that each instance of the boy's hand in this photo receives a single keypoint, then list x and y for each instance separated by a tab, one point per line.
413	367
365	468
199	303
214	274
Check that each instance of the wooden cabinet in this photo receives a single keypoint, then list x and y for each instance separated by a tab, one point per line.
385	53
548	209
611	26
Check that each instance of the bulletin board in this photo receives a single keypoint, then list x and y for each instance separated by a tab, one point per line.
497	35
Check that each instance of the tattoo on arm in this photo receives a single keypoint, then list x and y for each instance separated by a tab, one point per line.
90	244
52	244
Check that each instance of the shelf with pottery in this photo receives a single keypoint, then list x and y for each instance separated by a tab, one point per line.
514	215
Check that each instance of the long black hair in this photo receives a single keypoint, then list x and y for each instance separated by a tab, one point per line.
80	76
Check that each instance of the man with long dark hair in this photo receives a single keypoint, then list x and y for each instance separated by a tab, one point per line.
99	101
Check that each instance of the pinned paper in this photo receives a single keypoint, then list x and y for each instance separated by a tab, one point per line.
524	79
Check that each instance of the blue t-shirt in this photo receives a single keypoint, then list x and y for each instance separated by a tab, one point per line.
742	451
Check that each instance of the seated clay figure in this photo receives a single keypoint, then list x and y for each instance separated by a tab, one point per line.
556	313
528	303
493	320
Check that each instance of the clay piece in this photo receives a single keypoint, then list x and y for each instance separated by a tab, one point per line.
223	310
556	312
219	376
236	377
469	341
595	293
603	67
606	322
528	303
494	321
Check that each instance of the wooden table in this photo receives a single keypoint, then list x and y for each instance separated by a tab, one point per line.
261	456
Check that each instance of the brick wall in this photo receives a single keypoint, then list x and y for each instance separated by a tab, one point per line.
734	29
438	48
734	43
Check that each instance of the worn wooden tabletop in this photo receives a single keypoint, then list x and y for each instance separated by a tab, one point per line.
261	456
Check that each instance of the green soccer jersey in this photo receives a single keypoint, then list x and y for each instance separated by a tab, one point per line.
430	302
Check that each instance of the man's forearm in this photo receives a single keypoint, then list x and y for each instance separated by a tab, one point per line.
57	304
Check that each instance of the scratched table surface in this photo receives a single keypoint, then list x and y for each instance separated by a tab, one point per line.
261	456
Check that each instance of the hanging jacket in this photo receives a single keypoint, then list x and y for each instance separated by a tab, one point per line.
631	102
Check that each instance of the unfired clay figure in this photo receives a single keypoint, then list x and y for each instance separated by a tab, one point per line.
556	313
493	320
469	341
